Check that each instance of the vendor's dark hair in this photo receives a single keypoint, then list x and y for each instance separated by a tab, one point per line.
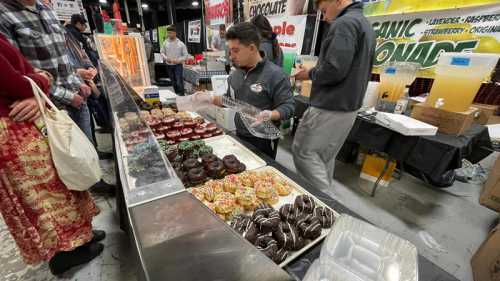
171	28
266	32
245	32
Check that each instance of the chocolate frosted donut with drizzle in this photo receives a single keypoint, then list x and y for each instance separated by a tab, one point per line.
309	226
288	237
325	216
266	218
305	204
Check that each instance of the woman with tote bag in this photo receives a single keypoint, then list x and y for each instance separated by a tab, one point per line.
48	221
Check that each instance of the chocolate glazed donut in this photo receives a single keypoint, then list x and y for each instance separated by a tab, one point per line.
288	237
280	256
216	169
197	176
267	219
191	163
309	226
289	213
267	245
325	216
305	204
245	227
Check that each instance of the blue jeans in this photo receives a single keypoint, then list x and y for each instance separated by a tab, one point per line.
82	118
175	73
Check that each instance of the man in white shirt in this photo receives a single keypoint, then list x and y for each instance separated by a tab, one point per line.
174	53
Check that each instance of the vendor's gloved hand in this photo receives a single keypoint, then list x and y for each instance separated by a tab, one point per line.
203	98
194	102
263	116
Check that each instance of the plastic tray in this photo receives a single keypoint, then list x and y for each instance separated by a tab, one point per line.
290	199
358	251
225	145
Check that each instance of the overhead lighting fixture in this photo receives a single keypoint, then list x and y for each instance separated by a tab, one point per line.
103	1
195	3
145	6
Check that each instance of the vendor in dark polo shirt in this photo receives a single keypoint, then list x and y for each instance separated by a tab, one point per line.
256	81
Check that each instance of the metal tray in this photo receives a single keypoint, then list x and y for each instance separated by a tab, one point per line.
224	145
297	190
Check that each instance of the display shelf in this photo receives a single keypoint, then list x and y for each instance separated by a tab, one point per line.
127	55
149	175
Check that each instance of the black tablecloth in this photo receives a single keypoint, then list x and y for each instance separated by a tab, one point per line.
299	267
431	158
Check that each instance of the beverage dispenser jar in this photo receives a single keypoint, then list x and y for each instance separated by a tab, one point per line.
394	77
458	79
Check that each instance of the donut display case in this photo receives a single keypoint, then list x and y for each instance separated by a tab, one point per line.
166	224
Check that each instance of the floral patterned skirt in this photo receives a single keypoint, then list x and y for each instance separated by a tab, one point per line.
43	216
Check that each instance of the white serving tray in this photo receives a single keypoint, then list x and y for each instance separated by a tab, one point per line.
290	199
224	145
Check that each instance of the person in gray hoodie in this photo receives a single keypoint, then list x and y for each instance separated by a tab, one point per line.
339	83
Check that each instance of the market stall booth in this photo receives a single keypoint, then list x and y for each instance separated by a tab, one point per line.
186	224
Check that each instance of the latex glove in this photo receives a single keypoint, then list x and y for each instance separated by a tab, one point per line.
194	102
263	116
302	73
25	110
85	91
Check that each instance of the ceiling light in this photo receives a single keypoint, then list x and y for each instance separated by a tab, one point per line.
145	6
103	1
195	3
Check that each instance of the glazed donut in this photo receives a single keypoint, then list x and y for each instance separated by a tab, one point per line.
325	216
231	182
288	237
248	178
281	186
217	186
199	193
216	169
263	189
197	176
267	219
230	157
224	203
280	256
245	227
309	226
289	213
209	193
191	163
305	204
245	196
267	245
274	198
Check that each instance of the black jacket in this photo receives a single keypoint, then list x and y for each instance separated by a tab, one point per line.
341	76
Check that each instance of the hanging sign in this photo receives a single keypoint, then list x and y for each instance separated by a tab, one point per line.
271	8
290	31
387	7
422	37
218	12
66	8
194	31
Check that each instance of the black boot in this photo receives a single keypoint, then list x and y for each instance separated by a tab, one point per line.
63	261
99	235
103	188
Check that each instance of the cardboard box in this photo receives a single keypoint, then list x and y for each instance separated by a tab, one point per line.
373	166
490	197
306	88
453	123
486	261
486	111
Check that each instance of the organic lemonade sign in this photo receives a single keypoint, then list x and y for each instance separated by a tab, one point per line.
387	7
421	37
